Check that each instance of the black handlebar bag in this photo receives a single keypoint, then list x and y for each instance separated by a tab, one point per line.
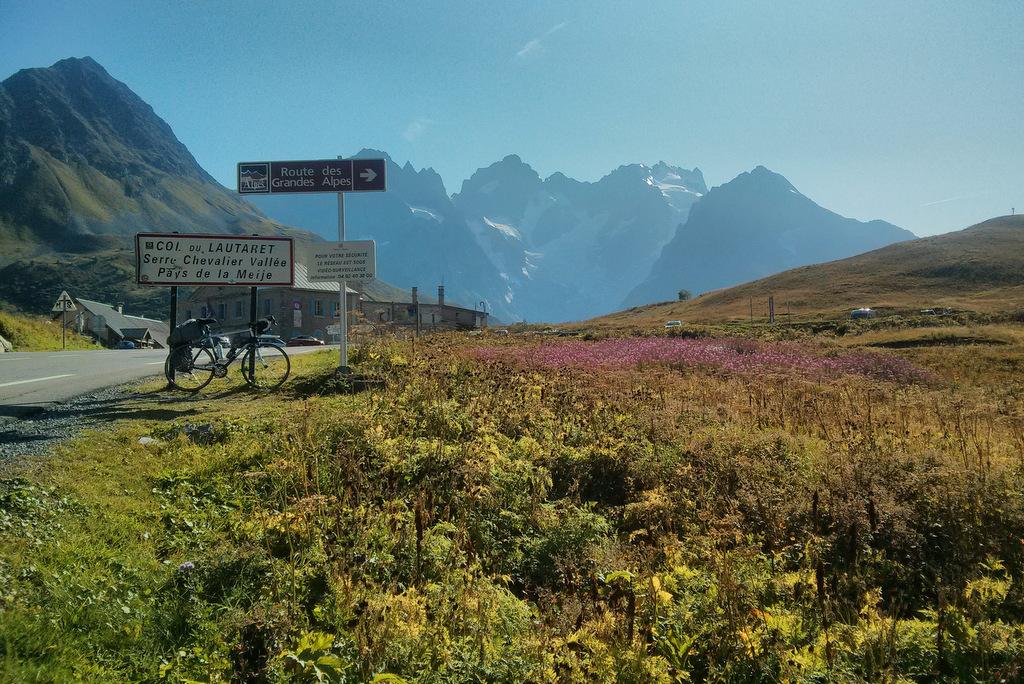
187	332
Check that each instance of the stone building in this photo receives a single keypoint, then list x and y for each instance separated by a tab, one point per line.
312	308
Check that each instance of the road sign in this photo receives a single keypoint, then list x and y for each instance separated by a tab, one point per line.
180	259
338	261
64	302
317	175
334	329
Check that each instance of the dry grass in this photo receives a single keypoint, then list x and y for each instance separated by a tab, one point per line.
37	333
976	269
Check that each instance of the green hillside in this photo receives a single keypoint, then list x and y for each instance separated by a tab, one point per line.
107	276
38	333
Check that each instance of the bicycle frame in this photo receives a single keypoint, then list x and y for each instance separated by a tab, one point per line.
252	346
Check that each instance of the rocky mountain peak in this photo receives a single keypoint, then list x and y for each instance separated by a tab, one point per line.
81	115
692	180
762	179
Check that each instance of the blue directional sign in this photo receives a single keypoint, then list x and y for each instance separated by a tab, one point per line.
318	175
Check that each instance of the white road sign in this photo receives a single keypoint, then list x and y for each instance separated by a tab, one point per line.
191	259
352	260
64	302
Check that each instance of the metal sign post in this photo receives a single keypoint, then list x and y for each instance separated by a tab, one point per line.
64	304
255	332
342	295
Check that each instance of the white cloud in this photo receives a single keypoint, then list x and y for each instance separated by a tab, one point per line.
416	128
535	46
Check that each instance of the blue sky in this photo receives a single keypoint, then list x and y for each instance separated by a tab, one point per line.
912	112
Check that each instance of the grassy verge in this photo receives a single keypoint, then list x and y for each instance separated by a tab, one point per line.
490	520
35	333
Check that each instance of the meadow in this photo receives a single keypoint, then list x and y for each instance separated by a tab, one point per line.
719	506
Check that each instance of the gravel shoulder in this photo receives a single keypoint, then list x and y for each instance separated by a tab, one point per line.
34	430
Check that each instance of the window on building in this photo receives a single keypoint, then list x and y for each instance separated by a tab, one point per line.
266	307
238	309
222	312
318	308
334	309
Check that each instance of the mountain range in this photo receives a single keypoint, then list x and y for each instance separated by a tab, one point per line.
86	163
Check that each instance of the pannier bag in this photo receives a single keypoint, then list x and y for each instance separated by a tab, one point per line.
181	358
189	331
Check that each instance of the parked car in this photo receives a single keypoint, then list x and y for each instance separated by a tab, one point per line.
305	341
674	324
862	313
125	344
501	331
225	341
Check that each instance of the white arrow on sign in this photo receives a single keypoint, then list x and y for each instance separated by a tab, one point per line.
368	175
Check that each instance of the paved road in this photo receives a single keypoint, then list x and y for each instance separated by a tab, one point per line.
33	380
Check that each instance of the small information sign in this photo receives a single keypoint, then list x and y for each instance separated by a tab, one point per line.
352	260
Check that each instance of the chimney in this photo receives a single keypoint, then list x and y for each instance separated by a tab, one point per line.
440	295
415	295
120	307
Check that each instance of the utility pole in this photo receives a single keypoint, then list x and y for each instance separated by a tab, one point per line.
342	293
751	309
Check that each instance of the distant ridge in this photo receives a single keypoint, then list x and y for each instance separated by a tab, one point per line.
756	224
980	268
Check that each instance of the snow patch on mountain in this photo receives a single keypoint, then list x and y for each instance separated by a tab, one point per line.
426	213
510	231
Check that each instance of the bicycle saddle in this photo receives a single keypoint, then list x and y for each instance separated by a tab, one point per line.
206	321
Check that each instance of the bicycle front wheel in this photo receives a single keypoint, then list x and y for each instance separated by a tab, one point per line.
189	369
271	368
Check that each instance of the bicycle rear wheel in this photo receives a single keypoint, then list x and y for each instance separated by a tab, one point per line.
192	373
271	368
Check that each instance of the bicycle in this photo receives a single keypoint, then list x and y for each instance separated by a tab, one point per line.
192	365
